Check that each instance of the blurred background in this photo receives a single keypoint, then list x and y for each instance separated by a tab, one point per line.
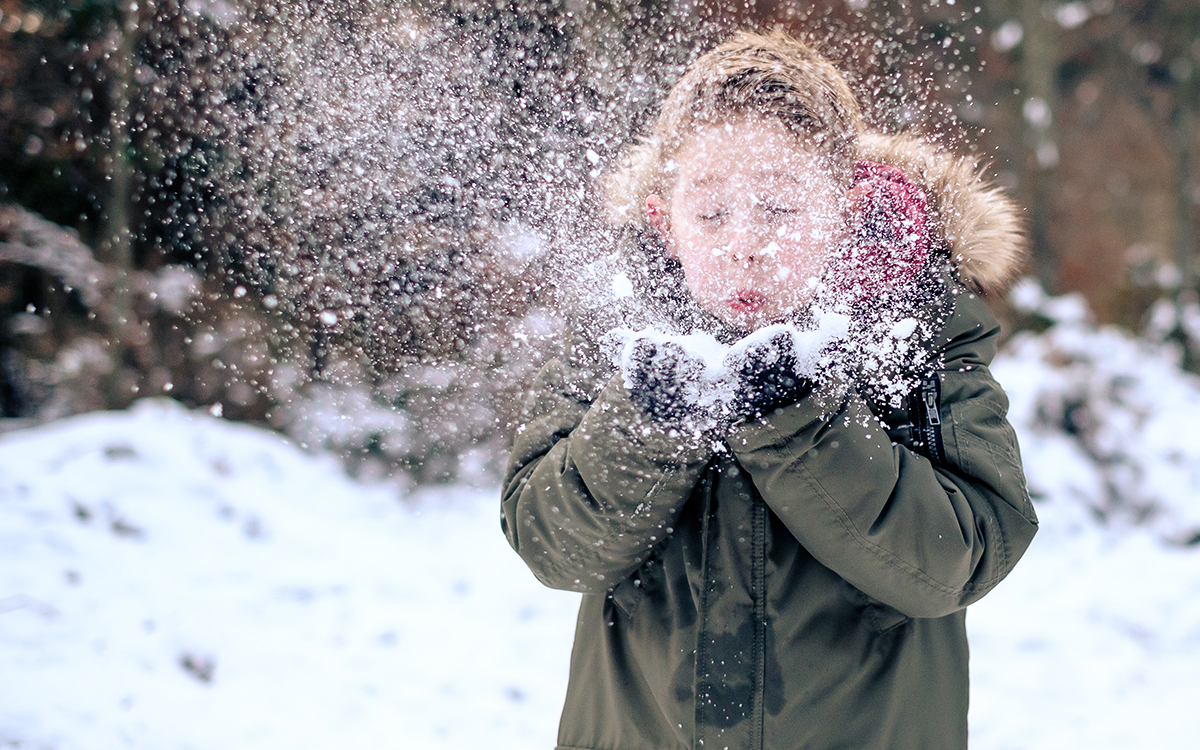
248	246
340	219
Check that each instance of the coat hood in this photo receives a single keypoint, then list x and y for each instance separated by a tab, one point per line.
971	216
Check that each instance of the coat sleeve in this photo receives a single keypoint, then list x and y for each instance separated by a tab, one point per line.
925	539
593	486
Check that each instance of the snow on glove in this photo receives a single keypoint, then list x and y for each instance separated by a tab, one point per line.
765	375
664	380
889	233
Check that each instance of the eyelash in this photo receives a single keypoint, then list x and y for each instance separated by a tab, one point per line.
772	210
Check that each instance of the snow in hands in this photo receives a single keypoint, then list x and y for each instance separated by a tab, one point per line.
696	382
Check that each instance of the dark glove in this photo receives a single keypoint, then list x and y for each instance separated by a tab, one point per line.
664	380
764	376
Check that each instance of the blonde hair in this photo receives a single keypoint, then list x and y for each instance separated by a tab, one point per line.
771	74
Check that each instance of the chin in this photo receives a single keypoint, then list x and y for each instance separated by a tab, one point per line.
746	321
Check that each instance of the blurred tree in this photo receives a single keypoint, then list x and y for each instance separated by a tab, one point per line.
1037	99
1181	57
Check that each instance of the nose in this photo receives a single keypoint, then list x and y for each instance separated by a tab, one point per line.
748	243
742	255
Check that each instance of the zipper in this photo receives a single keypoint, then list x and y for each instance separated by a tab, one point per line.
758	582
928	440
700	670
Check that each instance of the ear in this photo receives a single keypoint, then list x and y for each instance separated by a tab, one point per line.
656	212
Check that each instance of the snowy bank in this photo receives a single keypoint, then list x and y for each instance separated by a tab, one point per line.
1094	639
171	580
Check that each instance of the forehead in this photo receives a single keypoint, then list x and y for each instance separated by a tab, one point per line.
754	148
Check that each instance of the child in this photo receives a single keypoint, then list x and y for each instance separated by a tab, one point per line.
776	551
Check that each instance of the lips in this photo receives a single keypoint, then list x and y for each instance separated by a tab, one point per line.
747	301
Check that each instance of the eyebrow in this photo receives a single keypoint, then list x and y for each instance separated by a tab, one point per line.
708	179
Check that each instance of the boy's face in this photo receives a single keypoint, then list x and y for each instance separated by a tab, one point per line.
753	218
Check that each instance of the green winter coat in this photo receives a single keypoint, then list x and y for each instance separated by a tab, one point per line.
801	586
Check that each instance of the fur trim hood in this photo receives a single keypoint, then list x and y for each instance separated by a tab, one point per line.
978	224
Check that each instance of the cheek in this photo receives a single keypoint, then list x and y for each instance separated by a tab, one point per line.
701	273
705	276
694	251
805	253
805	264
808	245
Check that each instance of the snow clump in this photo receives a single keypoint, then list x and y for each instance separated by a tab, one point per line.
716	389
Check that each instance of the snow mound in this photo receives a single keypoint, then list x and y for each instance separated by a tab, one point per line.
1094	639
172	580
1107	421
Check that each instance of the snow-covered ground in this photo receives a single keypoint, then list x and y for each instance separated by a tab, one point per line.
1094	640
171	580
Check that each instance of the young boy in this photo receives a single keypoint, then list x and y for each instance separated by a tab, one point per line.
787	567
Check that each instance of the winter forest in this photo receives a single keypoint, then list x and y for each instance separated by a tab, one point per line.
275	278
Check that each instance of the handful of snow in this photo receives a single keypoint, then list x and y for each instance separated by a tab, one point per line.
716	390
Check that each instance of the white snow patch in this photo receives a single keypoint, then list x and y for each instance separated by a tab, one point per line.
1094	639
904	328
330	613
1027	295
622	286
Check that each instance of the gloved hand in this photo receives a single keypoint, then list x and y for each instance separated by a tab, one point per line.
764	375
889	230
664	380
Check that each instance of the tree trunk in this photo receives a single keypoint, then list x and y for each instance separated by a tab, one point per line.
116	247
1037	108
1186	293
